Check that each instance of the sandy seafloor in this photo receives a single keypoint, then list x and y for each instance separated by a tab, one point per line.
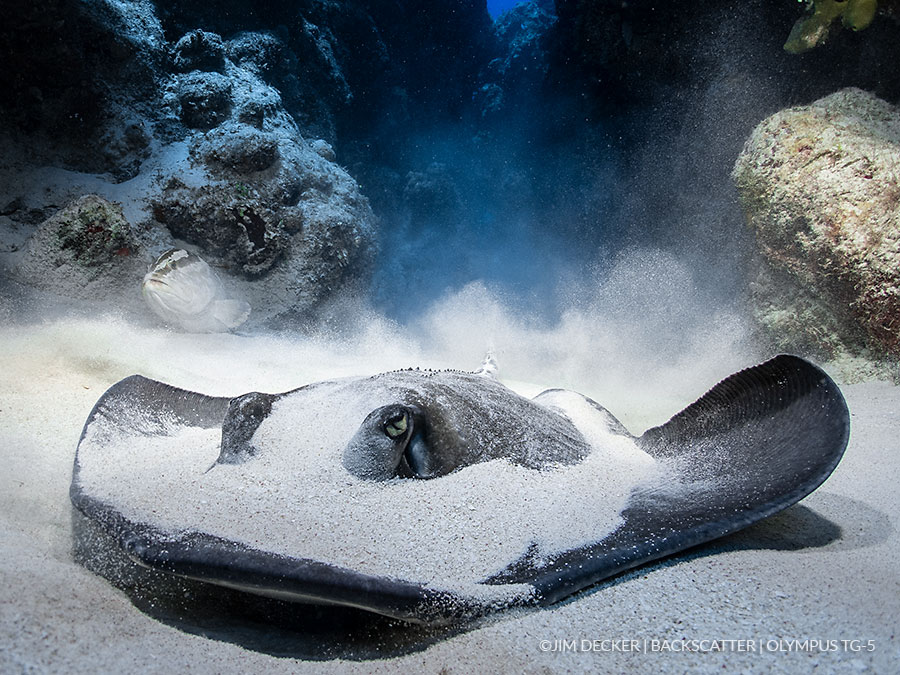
825	570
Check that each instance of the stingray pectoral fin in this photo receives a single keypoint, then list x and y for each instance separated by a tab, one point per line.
136	408
785	417
139	406
580	410
144	406
756	443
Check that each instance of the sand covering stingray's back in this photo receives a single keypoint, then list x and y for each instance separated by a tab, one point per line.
295	497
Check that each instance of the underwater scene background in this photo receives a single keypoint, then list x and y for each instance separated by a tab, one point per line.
555	159
627	199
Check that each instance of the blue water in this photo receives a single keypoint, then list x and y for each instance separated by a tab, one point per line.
497	7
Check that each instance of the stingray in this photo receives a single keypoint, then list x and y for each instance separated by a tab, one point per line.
434	496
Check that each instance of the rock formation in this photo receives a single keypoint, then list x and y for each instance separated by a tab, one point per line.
820	187
189	132
85	250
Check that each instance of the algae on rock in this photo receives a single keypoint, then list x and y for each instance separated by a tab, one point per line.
813	28
85	249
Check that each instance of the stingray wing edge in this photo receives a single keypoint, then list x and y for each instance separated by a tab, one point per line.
756	443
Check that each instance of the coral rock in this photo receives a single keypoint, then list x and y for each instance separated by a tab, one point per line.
820	187
199	50
85	249
242	149
205	99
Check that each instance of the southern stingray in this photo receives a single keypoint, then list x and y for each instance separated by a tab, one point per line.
432	496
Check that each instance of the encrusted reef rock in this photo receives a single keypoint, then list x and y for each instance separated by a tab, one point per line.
199	50
87	249
262	203
205	99
820	187
214	160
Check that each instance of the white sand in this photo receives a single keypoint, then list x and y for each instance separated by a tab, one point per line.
783	580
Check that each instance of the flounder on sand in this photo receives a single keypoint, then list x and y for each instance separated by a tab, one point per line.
317	494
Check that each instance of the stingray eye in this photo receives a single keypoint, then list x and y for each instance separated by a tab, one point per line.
396	425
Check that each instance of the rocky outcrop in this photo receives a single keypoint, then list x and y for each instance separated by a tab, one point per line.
86	250
237	113
202	146
260	201
820	187
345	68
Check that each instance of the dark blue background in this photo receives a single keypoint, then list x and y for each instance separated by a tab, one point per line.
497	7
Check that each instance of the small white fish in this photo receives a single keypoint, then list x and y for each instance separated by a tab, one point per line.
184	291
